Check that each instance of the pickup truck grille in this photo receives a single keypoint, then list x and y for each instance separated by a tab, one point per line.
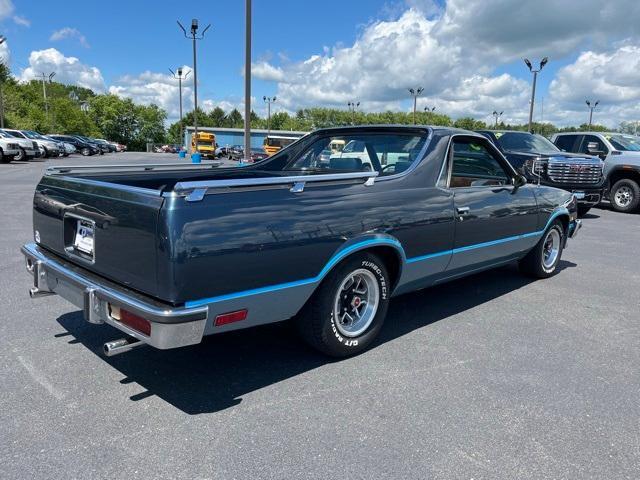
583	173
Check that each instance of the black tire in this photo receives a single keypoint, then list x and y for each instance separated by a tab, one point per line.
22	155
315	322
46	153
583	210
625	195
3	157
85	152
537	263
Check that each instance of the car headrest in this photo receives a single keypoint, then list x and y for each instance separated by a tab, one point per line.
345	163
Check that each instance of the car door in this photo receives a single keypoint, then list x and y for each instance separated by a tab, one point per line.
492	215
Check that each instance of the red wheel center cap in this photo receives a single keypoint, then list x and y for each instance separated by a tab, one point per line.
357	302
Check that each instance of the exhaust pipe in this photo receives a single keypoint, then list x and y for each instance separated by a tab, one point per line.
122	345
35	292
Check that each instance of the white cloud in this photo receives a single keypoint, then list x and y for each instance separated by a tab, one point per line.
612	77
453	51
6	9
22	21
68	32
68	70
156	88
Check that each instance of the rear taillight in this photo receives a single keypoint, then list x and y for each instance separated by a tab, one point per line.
131	320
231	317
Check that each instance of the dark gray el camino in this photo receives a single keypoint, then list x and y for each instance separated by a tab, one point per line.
325	232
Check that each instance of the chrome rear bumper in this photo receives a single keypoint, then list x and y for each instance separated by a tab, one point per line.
171	327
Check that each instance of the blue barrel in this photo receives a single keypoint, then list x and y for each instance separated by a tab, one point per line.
182	154
196	158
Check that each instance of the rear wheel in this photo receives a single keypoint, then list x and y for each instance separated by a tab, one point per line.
625	195
542	261
348	309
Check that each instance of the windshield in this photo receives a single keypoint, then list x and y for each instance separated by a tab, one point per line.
32	135
15	134
525	142
626	143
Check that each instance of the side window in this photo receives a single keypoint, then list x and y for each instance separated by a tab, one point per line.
566	142
593	145
474	165
388	154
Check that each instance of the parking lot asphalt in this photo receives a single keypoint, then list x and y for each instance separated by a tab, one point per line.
493	376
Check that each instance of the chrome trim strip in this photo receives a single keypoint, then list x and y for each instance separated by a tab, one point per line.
55	170
114	186
185	187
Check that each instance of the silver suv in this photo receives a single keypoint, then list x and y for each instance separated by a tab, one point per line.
621	155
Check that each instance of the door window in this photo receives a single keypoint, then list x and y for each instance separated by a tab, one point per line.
592	145
474	165
566	142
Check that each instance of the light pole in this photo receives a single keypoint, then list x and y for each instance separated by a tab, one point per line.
44	92
269	101
543	62
497	115
353	106
180	77
429	109
2	40
247	81
194	36
591	109
415	93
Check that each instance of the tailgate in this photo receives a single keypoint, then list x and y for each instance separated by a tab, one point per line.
122	220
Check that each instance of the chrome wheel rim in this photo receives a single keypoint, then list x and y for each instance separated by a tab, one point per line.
623	196
551	249
356	303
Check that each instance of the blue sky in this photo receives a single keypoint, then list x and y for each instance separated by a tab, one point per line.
466	53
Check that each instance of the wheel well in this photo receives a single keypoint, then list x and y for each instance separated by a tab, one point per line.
618	175
391	259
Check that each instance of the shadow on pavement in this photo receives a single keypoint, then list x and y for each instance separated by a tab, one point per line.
215	374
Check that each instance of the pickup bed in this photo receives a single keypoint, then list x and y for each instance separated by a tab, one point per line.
168	254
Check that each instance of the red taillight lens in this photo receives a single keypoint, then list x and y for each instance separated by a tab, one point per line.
231	317
131	320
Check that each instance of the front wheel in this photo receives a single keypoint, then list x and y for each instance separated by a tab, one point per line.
22	155
3	157
542	261
348	309
625	195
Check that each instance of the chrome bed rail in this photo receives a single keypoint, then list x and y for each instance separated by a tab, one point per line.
64	169
195	190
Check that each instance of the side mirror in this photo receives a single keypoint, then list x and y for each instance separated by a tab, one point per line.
519	181
593	148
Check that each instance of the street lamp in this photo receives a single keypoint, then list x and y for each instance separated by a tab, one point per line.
543	62
269	101
180	77
591	109
427	109
353	107
194	36
497	115
2	40
415	93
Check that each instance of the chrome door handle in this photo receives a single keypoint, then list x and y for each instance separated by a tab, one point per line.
462	210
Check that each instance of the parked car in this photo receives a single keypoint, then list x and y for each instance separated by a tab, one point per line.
27	149
81	146
288	238
621	155
62	150
258	154
540	161
110	147
9	149
101	148
50	147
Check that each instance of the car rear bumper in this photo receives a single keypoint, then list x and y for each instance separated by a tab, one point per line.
171	327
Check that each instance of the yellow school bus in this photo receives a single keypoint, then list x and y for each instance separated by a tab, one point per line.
275	143
206	144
